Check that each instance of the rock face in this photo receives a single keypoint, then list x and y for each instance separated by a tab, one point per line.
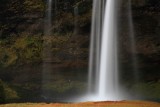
20	16
146	27
139	2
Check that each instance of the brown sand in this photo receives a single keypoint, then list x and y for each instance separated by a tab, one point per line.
90	104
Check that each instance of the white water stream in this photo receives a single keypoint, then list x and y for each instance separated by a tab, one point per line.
103	67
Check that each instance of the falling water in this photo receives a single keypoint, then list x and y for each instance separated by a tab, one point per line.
47	54
55	6
108	82
103	73
48	20
132	42
76	13
97	23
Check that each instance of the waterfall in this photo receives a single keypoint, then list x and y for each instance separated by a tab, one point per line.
48	20
76	13
132	42
108	60
95	40
103	73
47	54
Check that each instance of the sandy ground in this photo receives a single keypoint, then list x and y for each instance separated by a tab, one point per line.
89	104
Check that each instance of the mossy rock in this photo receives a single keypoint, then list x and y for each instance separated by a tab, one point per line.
7	93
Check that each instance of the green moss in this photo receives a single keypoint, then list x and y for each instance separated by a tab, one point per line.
62	86
147	90
7	57
36	5
29	49
20	50
7	93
